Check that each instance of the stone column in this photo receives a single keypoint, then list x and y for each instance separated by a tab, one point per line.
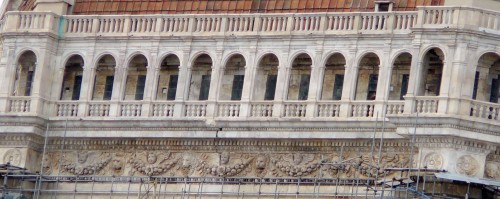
349	88
117	94
41	82
183	84
149	90
213	91
383	84
413	83
280	94
314	90
446	81
247	86
7	76
86	90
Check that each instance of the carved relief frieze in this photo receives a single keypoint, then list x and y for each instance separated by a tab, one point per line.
295	165
228	165
371	167
492	170
152	163
84	163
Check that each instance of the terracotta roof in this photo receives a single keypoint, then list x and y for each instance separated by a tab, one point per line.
86	7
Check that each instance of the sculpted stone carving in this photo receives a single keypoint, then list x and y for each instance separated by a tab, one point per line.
467	165
295	165
187	165
86	163
13	156
261	165
433	161
492	170
339	165
151	163
117	165
225	168
369	167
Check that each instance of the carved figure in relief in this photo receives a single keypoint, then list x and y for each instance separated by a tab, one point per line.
187	165
117	164
467	165
295	165
492	170
338	165
85	163
260	165
225	167
151	163
12	156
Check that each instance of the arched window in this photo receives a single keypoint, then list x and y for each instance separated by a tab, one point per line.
25	74
300	76
487	78
233	78
333	78
400	77
201	74
72	80
136	78
104	78
168	78
266	77
367	79
431	73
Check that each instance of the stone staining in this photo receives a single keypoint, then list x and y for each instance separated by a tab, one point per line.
433	161
187	165
467	165
105	71
202	67
300	73
295	165
367	79
225	168
12	156
85	163
117	165
150	163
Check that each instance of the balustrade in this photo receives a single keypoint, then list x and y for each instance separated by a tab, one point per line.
328	109
99	109
485	110
427	105
330	23
261	109
394	108
163	109
131	109
228	109
294	109
362	108
20	104
67	109
195	109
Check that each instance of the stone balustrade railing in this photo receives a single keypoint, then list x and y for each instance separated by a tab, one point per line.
485	110
253	24
424	105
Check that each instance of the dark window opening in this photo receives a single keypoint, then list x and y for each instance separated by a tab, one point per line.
404	86
304	87
139	88
29	81
337	87
108	88
476	83
372	87
270	87
237	87
495	86
383	7
76	88
172	87
205	87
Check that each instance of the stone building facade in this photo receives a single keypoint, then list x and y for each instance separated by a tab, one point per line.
318	95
